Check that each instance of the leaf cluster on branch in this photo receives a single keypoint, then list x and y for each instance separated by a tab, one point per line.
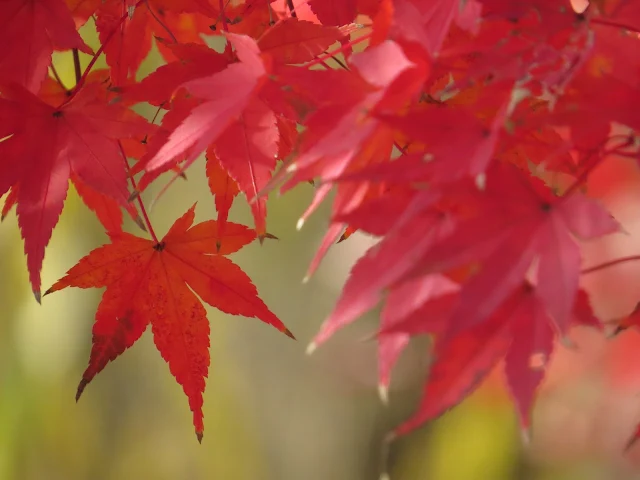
461	133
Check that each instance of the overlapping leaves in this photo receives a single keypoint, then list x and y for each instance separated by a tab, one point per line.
461	134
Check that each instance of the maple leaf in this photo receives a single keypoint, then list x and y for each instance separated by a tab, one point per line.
411	301
298	41
225	93
32	29
534	224
342	12
48	145
81	10
381	267
340	137
520	331
154	283
582	99
248	150
106	208
193	61
626	13
335	12
425	23
242	127
121	25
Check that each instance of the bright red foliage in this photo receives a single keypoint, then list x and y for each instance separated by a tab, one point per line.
150	282
462	134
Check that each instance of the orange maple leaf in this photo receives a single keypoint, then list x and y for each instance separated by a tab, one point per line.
154	283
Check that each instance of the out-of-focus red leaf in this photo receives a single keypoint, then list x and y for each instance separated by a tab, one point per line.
30	30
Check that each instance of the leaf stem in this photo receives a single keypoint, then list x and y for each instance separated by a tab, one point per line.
76	65
598	154
593	160
134	185
57	77
613	23
160	22
342	48
610	263
223	16
93	61
403	150
292	8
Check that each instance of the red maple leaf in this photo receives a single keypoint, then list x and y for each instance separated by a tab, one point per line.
121	24
341	136
298	41
106	208
241	126
520	331
48	145
425	300
154	283
383	266
342	12
31	30
463	134
193	61
527	223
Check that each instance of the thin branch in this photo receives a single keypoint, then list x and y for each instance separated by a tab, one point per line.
612	23
76	65
610	263
292	8
223	17
599	155
342	48
134	185
340	63
93	61
160	22
57	77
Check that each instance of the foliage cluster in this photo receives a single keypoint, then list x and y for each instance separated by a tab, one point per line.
461	133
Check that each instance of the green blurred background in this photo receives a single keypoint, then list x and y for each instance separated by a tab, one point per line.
271	412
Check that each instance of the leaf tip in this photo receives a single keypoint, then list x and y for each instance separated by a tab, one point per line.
568	343
300	224
135	194
38	296
525	432
614	332
288	333
199	436
383	393
311	348
270	236
81	386
140	223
